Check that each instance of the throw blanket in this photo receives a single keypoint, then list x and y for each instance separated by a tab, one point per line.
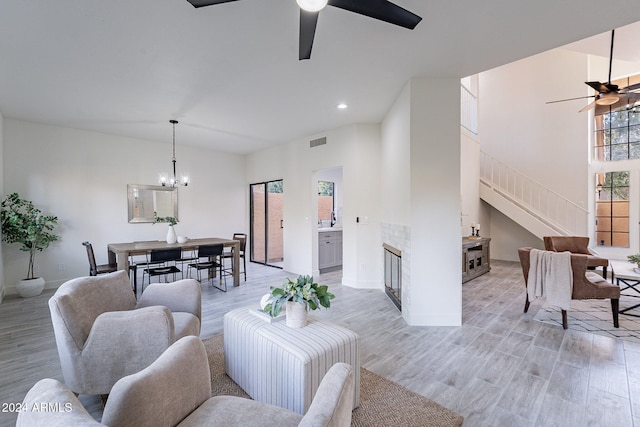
550	276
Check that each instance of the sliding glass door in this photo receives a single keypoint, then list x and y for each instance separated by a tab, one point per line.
267	200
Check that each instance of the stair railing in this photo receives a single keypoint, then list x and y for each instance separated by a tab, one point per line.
558	212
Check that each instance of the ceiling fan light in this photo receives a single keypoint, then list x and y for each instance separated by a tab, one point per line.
608	99
312	5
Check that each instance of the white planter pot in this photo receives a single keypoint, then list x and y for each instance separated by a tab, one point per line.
296	315
30	287
171	235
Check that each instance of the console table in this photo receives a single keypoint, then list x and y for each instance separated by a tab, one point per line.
475	257
283	366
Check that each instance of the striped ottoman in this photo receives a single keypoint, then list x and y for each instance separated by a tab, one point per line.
283	366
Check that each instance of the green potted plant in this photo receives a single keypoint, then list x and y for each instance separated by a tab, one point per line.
23	223
299	297
634	259
171	233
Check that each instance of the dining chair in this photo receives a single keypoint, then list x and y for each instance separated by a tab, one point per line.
209	258
95	269
242	238
161	262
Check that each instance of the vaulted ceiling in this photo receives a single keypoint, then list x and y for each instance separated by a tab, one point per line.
230	73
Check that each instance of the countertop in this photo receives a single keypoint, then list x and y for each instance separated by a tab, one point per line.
320	230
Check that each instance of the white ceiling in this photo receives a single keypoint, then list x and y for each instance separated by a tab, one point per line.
230	74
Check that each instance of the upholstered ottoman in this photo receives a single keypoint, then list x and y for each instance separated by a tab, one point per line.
283	366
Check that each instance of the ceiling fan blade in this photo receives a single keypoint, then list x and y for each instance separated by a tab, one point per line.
570	99
202	3
308	23
382	10
631	87
588	107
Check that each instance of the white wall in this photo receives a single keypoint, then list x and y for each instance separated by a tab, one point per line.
507	237
471	212
395	184
421	205
356	149
436	286
549	142
82	178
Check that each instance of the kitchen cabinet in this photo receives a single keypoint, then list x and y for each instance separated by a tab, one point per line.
329	249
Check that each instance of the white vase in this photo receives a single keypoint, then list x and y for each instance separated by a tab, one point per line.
296	315
30	287
171	235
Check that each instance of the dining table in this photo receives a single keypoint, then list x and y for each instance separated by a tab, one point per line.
119	253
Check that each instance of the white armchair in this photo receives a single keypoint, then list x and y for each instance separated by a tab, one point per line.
175	390
102	334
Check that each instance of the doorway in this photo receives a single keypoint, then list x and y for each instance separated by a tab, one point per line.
330	238
266	245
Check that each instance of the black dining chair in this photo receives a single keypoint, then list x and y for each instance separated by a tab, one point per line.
95	269
161	262
209	258
242	238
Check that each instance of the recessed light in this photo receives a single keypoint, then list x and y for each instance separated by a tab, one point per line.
342	106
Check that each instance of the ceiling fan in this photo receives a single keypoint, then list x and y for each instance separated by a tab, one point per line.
382	10
610	97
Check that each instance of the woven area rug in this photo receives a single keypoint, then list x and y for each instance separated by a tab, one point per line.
595	316
382	402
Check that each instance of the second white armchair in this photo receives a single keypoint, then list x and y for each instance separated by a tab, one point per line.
103	334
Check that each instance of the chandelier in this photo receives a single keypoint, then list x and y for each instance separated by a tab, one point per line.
172	181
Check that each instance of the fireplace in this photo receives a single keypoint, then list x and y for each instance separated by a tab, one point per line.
393	274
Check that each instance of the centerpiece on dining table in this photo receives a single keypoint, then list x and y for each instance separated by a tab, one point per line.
297	297
171	233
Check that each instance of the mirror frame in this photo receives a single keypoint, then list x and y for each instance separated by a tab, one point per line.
131	196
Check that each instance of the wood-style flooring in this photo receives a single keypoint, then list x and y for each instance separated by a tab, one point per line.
500	368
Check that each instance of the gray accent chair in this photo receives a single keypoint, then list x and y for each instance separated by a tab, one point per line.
103	334
176	389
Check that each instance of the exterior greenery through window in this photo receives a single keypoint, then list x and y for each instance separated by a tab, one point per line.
275	187
612	209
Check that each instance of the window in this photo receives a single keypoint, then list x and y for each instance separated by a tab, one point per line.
617	132
612	209
325	200
617	135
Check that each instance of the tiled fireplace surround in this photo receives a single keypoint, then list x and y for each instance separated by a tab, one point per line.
399	237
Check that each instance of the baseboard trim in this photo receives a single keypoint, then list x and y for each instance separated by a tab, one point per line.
362	284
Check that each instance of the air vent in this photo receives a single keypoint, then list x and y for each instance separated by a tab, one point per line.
319	141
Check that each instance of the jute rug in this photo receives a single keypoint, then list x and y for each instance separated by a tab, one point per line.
382	402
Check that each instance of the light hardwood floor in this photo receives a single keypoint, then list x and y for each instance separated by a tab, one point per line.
501	368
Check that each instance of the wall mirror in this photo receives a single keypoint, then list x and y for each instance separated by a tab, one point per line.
144	200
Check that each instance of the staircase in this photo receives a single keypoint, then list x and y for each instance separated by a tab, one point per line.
533	206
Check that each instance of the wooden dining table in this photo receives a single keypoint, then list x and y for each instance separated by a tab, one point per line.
119	253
